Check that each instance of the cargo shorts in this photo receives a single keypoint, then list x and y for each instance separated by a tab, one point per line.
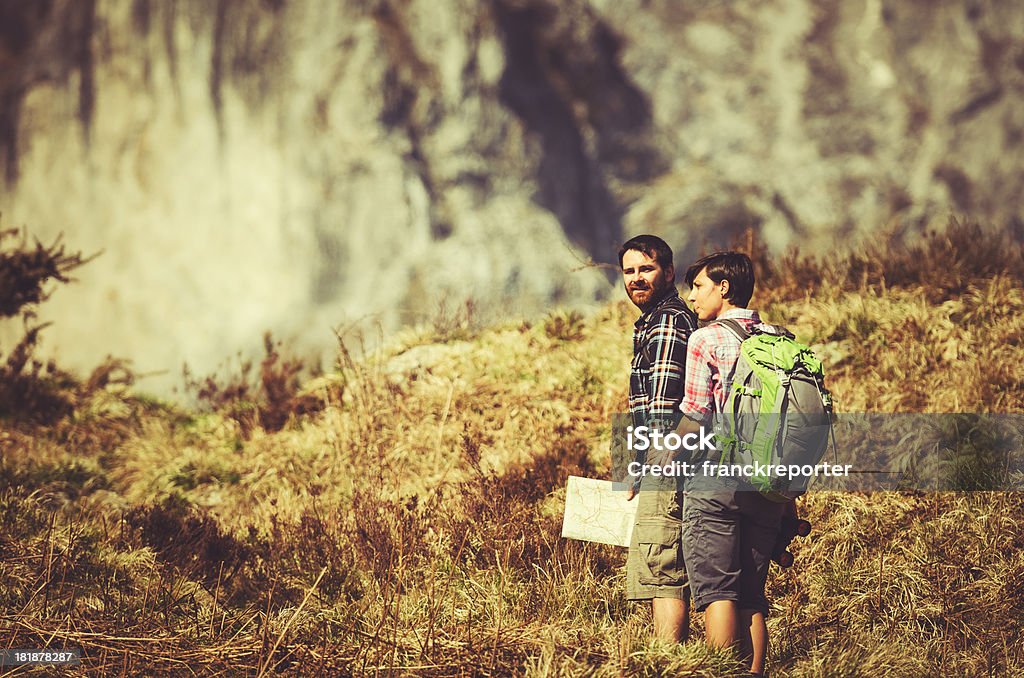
654	566
728	538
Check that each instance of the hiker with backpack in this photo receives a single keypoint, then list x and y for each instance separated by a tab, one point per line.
730	527
655	568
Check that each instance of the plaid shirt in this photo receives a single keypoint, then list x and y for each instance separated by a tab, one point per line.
713	352
656	379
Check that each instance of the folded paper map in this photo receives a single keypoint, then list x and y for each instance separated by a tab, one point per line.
596	512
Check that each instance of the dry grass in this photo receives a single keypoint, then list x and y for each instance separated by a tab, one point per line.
408	523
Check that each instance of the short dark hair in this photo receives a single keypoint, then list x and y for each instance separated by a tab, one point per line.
735	267
650	245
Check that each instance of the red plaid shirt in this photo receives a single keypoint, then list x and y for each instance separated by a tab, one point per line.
712	352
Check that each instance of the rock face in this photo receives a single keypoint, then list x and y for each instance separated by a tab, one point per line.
297	165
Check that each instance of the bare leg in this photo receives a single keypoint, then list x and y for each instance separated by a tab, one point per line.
753	639
720	623
671	619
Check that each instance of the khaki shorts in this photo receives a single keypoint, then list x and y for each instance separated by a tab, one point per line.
654	567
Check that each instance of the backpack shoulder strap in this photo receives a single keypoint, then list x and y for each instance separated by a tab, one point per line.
738	329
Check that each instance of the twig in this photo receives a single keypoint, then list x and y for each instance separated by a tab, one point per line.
444	418
288	625
587	262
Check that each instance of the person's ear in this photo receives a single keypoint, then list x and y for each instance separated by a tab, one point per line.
724	287
670	274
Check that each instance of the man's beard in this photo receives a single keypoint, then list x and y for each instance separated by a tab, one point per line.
646	297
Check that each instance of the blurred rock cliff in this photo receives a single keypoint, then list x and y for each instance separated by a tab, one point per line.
297	165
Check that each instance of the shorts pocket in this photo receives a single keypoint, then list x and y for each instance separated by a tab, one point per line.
661	554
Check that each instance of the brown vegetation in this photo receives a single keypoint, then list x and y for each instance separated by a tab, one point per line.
408	524
30	388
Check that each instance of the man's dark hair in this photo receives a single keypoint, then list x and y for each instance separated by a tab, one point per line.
735	267
650	245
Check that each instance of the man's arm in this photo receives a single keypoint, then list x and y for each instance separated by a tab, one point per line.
667	347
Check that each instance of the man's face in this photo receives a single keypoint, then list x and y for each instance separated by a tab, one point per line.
707	297
644	278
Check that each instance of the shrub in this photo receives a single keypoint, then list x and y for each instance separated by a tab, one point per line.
268	401
29	388
564	325
942	264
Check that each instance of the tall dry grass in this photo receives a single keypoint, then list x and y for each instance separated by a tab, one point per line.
405	519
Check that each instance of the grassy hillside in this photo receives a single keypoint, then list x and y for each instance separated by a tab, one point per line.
401	515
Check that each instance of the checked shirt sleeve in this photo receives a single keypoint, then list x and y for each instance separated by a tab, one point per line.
666	346
698	401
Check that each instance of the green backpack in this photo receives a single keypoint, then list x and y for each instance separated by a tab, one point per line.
778	411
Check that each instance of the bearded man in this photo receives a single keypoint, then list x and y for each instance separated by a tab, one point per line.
655	570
